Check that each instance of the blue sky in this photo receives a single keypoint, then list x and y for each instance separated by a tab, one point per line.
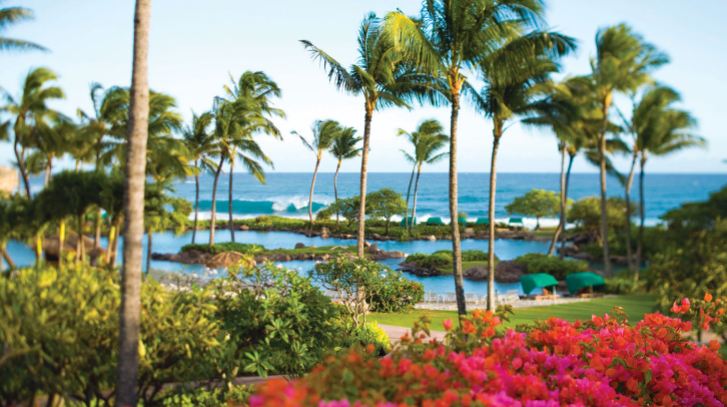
196	45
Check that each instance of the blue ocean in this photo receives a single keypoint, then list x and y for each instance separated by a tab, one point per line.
285	194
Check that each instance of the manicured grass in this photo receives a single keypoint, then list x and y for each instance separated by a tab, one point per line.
635	305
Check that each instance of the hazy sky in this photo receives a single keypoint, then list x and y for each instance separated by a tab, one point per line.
196	45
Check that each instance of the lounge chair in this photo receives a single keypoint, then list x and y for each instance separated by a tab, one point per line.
435	221
516	222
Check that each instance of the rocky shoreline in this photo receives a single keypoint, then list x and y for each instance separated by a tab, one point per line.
467	233
505	272
215	260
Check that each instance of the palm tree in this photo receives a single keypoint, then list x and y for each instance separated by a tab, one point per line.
344	147
8	17
623	63
427	140
512	73
572	115
138	130
251	97
200	143
30	112
658	129
450	38
324	134
382	78
51	141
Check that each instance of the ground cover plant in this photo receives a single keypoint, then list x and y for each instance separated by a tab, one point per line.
601	361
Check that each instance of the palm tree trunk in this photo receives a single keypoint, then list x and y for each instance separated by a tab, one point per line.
213	215
20	158
496	134
627	198
335	189
6	256
230	224
310	193
97	230
39	249
604	206
454	222
79	239
196	201
559	229
564	214
48	171
414	199
115	247
130	314
362	184
149	235
111	244
408	196
61	242
642	217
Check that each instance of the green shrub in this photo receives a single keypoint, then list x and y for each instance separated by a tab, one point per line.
542	263
624	283
244	248
203	397
277	321
440	262
373	334
365	285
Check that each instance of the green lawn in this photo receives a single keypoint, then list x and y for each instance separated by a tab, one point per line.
635	305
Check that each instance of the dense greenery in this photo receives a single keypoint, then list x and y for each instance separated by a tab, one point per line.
440	262
244	248
57	331
542	263
692	255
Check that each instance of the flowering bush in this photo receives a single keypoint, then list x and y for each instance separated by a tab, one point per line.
601	362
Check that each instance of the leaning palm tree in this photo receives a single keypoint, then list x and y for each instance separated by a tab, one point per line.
382	78
511	73
325	133
572	116
30	112
623	63
130	313
448	39
344	147
8	17
251	97
427	141
200	143
659	129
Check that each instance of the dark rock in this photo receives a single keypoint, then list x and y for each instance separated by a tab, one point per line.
300	245
508	272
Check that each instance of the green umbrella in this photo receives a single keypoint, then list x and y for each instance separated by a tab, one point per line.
537	280
578	281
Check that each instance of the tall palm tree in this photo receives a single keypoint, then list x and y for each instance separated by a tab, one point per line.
324	134
344	147
623	63
251	96
572	115
8	17
382	78
427	141
200	143
659	129
30	112
449	39
512	73
130	311
51	141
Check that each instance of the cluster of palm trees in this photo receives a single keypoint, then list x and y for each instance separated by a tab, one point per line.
497	56
340	141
